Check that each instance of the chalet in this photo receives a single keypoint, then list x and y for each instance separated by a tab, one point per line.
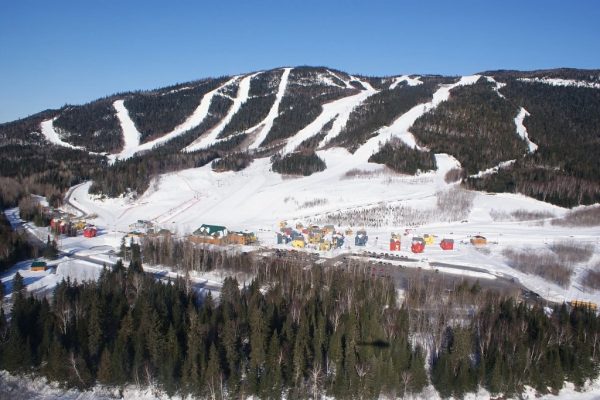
39	266
216	231
417	245
90	231
584	304
478	241
325	245
338	240
447	244
361	238
395	242
429	239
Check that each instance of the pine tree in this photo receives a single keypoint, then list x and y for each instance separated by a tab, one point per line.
104	369
213	373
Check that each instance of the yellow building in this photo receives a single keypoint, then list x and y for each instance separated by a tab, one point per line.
298	243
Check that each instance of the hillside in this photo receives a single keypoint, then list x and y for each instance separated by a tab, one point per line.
534	133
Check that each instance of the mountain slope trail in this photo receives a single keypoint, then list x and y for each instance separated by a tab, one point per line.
267	123
131	136
197	117
522	130
53	137
338	109
400	127
211	137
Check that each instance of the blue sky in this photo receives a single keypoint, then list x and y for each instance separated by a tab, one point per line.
58	52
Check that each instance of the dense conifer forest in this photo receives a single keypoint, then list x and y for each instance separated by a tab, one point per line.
158	112
401	158
293	331
563	122
299	163
475	125
94	126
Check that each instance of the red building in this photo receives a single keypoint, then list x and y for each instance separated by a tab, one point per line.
447	244
90	231
418	245
394	244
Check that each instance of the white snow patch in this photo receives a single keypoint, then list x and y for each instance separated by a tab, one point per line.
562	82
497	85
131	136
493	170
267	123
211	137
522	130
405	78
52	136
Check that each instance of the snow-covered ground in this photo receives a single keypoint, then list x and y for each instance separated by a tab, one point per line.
52	136
522	130
562	82
257	199
131	136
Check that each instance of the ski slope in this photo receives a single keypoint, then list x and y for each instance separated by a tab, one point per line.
562	82
53	137
405	78
266	124
522	130
339	110
400	127
211	138
131	136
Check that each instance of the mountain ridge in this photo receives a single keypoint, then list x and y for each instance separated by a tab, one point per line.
267	112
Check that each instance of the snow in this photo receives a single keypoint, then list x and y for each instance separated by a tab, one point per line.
339	109
497	86
52	136
267	123
405	78
400	127
493	170
131	136
562	82
241	97
522	130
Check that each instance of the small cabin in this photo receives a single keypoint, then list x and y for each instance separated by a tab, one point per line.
429	239
361	238
478	241
338	241
216	231
417	245
325	245
447	244
394	243
38	266
299	243
90	231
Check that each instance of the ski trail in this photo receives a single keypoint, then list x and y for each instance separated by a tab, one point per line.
338	109
131	136
400	127
346	83
522	130
211	137
267	123
52	136
493	170
497	85
197	117
405	78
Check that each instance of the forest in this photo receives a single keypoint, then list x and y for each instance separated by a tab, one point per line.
298	163
403	159
475	125
293	332
564	123
302	102
158	112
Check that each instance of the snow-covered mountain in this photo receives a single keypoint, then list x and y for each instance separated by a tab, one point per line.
529	132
